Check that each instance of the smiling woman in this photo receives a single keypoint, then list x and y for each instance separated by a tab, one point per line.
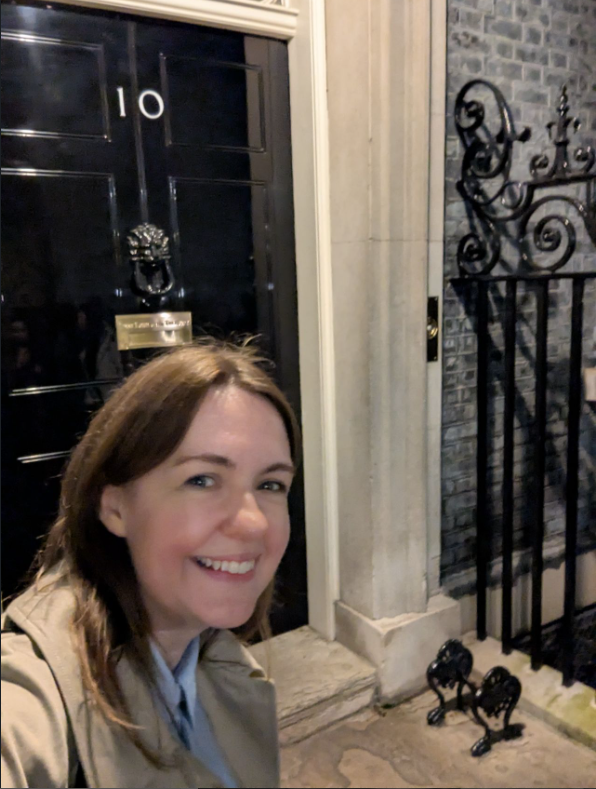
172	523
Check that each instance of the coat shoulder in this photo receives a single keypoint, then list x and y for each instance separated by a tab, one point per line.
37	747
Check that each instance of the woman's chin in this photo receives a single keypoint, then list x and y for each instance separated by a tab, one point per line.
230	619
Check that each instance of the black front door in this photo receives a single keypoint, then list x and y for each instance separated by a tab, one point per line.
110	122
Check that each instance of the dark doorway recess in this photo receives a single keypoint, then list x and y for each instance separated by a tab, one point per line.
110	121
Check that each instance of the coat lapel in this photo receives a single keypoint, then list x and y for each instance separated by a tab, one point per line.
240	703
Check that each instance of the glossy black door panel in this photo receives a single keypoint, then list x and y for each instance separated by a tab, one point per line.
208	130
29	498
62	271
73	242
49	424
74	77
213	248
60	108
206	103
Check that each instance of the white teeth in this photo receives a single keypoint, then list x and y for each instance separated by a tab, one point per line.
234	568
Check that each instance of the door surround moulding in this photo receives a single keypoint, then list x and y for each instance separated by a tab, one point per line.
310	162
256	17
436	210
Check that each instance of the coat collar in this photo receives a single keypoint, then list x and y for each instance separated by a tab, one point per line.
234	690
238	699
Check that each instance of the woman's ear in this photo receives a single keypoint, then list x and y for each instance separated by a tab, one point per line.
110	510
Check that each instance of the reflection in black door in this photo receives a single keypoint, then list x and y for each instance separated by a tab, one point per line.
204	156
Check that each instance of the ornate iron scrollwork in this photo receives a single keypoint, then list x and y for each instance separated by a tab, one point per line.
152	276
501	205
452	667
499	693
561	168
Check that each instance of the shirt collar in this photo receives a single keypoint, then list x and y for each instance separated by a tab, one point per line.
182	678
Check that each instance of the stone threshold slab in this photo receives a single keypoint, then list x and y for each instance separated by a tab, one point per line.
318	682
570	710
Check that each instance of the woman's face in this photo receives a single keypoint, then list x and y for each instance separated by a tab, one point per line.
208	527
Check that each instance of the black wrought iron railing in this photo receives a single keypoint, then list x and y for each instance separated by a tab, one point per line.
518	213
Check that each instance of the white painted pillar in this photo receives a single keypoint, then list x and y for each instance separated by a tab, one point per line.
379	99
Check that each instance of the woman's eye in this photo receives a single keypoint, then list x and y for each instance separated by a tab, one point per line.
201	481
273	486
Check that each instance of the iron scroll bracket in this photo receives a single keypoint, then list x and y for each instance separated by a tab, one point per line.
541	220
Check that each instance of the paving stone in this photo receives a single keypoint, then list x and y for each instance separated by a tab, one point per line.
399	749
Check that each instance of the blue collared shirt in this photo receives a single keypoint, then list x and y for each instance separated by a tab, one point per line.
178	689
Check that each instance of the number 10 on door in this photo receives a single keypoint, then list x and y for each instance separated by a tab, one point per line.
142	97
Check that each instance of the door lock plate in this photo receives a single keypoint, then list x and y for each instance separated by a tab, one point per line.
432	329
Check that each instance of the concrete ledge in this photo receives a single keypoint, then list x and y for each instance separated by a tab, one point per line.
318	682
400	647
570	710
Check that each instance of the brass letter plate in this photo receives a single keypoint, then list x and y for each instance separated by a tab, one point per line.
153	330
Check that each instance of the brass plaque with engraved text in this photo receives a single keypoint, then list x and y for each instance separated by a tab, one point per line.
153	330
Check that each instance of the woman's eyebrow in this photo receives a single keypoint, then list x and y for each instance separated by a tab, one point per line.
280	467
220	460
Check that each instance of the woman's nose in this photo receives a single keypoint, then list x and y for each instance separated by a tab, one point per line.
248	520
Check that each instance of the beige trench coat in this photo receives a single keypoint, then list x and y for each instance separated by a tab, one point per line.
49	733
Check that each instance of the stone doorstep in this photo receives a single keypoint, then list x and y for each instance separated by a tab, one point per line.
318	682
570	710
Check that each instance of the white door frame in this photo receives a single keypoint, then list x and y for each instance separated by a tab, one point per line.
303	26
436	236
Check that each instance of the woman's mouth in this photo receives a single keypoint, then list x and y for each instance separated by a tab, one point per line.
226	568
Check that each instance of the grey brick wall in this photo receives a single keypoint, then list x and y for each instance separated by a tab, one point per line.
529	49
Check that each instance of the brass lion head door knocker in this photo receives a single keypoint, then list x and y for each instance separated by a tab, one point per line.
152	276
152	279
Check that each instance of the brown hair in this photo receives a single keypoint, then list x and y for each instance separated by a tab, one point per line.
138	428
